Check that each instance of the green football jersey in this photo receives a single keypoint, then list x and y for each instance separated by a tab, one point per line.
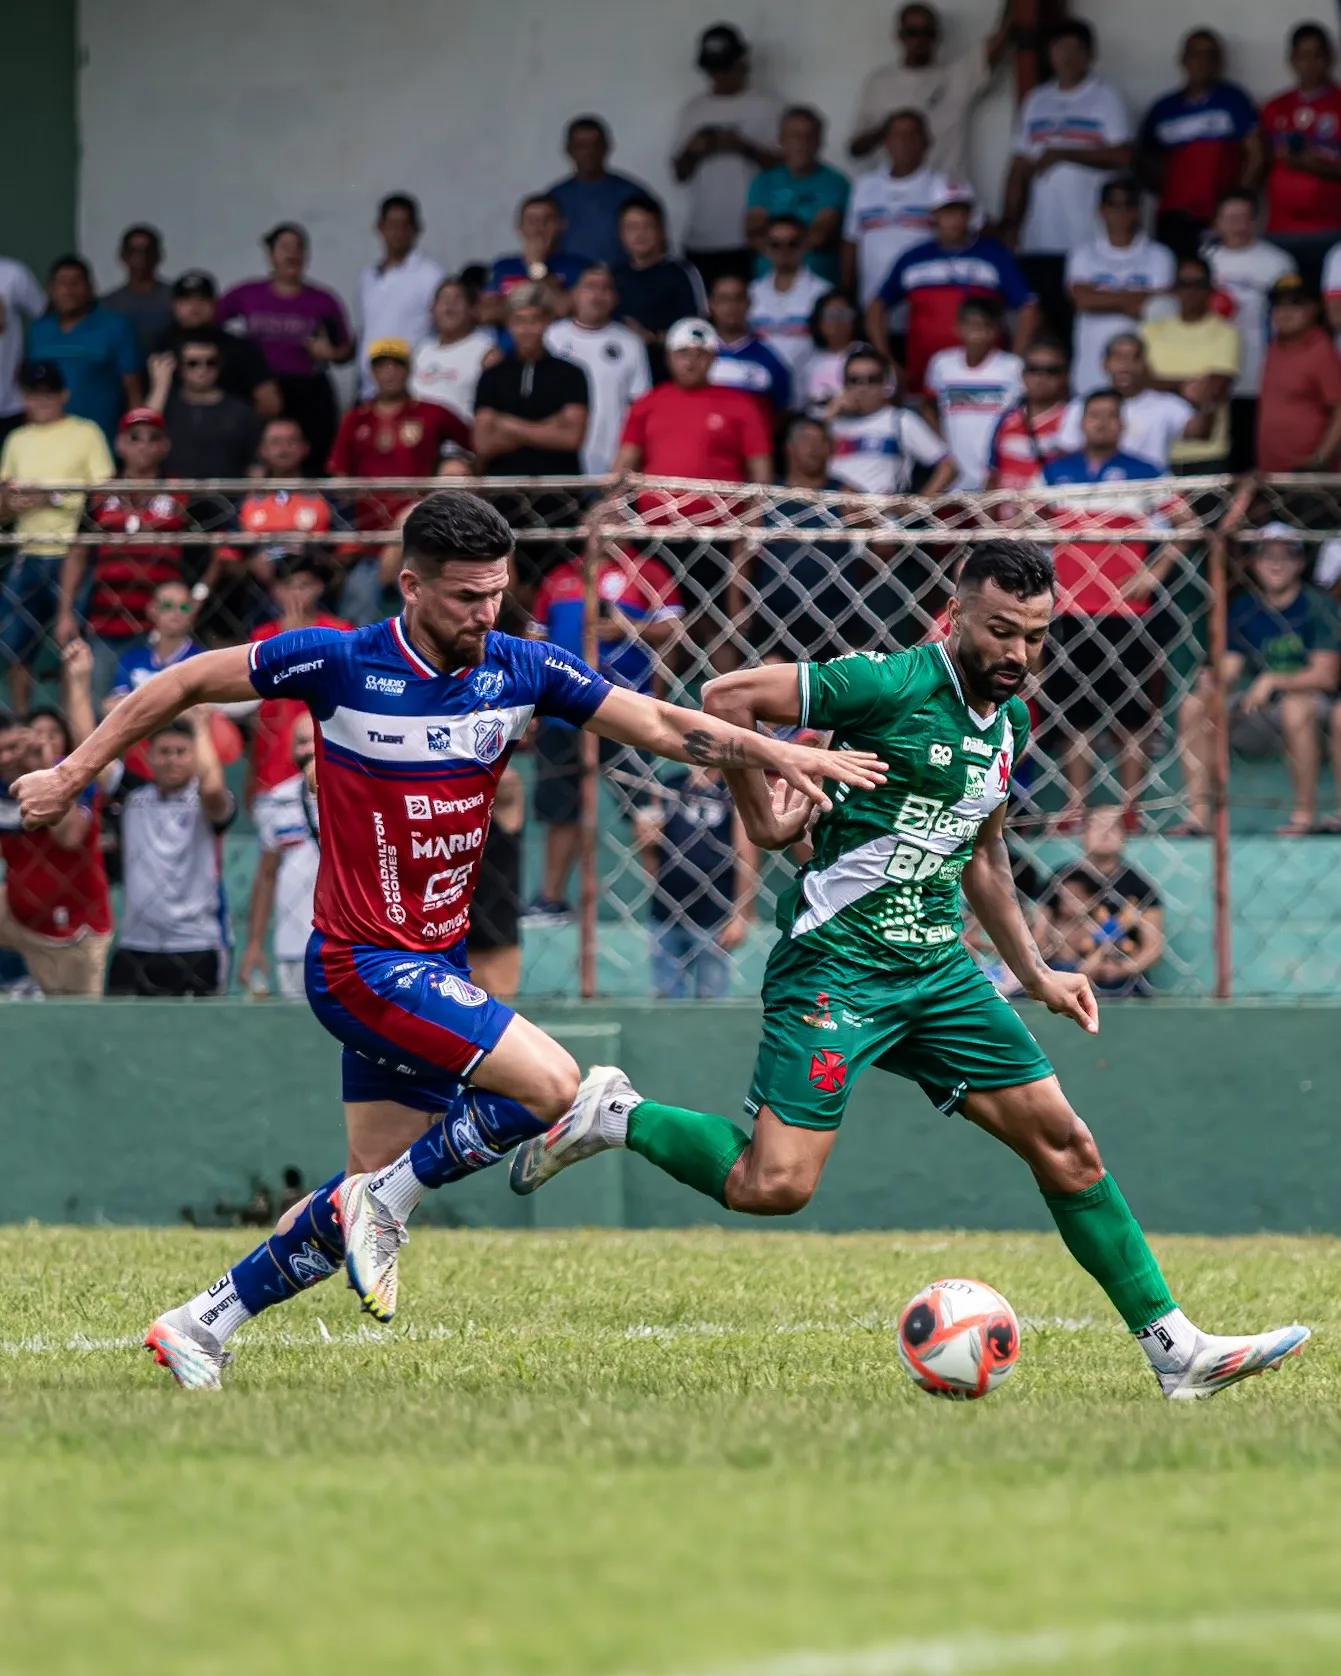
883	883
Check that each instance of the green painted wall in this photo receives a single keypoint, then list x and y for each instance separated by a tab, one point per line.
39	135
1216	1120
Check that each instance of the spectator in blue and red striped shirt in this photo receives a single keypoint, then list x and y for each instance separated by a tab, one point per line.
1197	143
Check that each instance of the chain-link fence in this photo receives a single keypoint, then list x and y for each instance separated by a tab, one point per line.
1146	847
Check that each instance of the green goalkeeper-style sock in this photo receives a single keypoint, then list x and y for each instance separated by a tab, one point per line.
1106	1239
697	1148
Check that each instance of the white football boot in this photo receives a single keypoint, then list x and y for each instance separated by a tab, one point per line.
191	1354
1219	1362
597	1120
373	1238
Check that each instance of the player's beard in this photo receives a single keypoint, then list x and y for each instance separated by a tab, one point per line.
995	682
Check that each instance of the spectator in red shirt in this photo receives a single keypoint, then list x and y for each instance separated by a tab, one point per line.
393	435
1198	143
125	577
1029	434
55	909
691	428
298	586
1303	135
282	454
1299	408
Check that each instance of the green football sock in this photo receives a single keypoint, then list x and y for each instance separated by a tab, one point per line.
1105	1238
697	1148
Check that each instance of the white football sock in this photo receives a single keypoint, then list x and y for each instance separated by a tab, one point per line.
399	1188
615	1118
1169	1341
218	1310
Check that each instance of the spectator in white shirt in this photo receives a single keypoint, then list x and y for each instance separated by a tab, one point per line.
1071	134
395	294
1111	278
945	94
613	358
286	875
783	299
833	331
722	139
1245	268
1152	420
21	299
877	445
174	925
969	388
447	366
890	209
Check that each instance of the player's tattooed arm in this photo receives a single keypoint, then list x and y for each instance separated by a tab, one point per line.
698	737
989	886
212	677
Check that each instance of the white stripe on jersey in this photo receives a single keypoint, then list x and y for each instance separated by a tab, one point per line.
480	736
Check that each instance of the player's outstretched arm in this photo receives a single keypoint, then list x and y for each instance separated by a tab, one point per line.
771	693
212	677
698	737
990	890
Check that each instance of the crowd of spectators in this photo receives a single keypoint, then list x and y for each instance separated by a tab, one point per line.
1158	296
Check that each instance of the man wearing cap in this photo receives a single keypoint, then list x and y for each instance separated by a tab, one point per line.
1299	407
392	435
945	94
96	349
210	433
127	578
1282	665
396	294
243	369
50	447
938	276
721	140
693	428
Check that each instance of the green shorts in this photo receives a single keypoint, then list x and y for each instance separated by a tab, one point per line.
943	1026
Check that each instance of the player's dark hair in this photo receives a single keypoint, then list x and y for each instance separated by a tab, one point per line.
1310	31
454	525
1020	568
401	201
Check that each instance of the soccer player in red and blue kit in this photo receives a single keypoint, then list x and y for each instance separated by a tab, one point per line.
415	718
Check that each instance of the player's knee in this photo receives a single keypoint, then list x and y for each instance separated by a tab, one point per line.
772	1192
1069	1161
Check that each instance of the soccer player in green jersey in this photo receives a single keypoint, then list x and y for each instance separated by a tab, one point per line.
870	970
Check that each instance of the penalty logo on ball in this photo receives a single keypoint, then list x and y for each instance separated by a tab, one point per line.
958	1338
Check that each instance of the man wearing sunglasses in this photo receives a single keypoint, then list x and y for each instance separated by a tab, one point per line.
1111	278
783	299
1029	434
801	186
944	93
210	433
877	445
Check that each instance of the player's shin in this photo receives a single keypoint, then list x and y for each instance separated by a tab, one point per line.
1106	1240
475	1133
309	1250
697	1148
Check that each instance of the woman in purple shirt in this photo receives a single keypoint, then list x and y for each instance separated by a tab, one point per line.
301	328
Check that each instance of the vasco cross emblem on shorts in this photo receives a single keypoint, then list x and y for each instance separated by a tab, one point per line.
940	756
828	1070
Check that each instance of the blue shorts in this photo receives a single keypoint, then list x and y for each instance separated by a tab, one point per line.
413	1025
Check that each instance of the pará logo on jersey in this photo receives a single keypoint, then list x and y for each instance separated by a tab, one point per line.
488	683
489	739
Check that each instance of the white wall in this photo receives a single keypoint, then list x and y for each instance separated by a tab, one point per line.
216	120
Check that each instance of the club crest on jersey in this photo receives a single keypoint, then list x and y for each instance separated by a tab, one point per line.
940	756
489	739
488	683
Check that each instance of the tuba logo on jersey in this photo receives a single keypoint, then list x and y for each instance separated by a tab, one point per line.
489	739
820	1017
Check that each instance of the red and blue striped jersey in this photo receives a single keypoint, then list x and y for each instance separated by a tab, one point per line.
408	762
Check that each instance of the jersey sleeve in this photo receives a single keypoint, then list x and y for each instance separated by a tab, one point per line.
566	687
891	286
919	440
847	691
298	664
1017	713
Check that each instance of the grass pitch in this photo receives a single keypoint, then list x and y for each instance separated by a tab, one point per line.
658	1455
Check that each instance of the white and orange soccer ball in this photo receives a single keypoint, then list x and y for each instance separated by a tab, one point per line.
958	1338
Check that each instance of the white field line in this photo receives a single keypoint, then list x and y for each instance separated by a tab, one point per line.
39	1344
1077	1648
